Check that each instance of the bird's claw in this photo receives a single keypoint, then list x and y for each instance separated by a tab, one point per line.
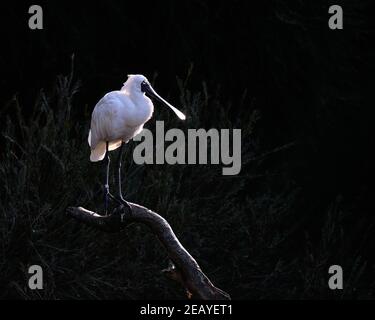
123	209
123	212
126	209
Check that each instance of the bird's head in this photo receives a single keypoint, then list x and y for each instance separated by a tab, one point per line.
133	83
139	83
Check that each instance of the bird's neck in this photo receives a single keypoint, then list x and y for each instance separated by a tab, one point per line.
131	89
143	108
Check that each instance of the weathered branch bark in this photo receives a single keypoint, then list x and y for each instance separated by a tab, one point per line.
184	268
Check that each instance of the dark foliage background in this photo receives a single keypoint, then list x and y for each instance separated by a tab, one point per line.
298	90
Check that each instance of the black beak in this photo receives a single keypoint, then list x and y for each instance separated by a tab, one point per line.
147	89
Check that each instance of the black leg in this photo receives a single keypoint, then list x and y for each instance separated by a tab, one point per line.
107	194
106	183
119	165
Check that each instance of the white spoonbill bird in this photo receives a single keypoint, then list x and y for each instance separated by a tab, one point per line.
117	118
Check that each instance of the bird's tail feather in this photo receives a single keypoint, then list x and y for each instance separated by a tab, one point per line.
89	138
98	153
114	145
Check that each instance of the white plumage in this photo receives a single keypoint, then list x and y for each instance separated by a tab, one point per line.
119	116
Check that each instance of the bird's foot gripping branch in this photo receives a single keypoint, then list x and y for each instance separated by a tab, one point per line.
183	267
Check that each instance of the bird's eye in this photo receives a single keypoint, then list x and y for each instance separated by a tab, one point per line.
144	85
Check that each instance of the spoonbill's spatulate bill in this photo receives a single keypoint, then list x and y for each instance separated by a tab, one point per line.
151	92
118	117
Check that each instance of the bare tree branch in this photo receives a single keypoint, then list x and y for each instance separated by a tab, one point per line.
184	268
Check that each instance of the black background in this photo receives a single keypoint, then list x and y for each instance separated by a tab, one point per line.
311	86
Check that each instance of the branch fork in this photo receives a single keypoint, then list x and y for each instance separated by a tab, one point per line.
182	268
